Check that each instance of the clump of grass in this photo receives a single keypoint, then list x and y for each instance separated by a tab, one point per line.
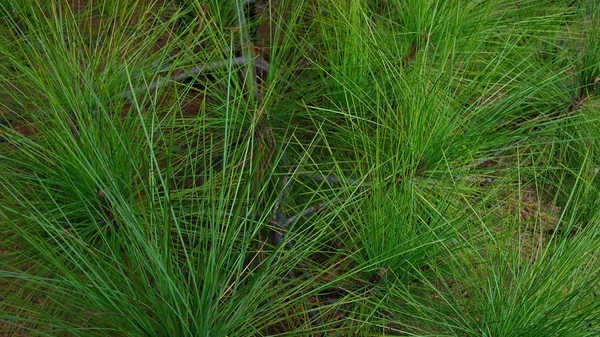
299	168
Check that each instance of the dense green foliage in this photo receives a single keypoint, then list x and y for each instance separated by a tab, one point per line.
300	168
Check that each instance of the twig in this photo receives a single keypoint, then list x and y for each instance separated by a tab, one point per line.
483	162
245	60
194	71
279	216
490	158
308	211
163	65
279	219
283	222
576	104
583	96
200	69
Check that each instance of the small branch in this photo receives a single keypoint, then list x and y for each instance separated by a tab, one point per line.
279	219
283	222
308	211
583	96
483	162
576	104
258	62
278	216
491	158
163	65
245	60
192	72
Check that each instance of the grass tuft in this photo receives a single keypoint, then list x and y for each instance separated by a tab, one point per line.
299	168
